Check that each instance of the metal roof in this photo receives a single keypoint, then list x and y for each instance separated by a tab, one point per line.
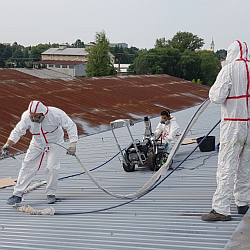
66	52
44	73
166	218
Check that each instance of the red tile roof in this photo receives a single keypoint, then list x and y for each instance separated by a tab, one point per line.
94	100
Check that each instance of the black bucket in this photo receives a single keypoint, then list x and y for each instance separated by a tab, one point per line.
208	144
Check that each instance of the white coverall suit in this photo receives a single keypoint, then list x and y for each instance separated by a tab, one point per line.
231	88
170	133
44	134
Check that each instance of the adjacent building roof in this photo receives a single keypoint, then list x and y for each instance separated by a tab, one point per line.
94	102
169	217
44	73
66	52
60	62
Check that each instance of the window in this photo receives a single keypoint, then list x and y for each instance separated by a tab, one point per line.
71	66
58	66
64	66
51	65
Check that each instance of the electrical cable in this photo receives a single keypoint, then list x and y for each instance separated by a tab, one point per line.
73	175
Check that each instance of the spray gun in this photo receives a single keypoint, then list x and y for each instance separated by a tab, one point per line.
148	129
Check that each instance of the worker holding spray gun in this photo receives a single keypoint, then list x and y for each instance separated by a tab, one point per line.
46	125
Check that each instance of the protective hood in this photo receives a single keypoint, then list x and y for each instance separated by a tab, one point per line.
237	50
37	107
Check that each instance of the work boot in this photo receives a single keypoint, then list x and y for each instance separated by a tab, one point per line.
51	199
214	216
242	209
13	200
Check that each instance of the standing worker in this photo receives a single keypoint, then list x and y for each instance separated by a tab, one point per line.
231	88
46	125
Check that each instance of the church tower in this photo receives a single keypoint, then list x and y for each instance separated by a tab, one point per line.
212	45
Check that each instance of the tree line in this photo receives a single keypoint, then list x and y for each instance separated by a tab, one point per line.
19	56
176	57
182	57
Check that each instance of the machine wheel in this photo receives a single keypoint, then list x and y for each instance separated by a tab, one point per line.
152	162
156	161
129	168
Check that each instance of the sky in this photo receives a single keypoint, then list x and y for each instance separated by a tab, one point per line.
136	22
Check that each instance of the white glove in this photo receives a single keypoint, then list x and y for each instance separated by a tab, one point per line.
5	149
72	148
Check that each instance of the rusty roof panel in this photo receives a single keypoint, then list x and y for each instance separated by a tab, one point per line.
8	74
94	102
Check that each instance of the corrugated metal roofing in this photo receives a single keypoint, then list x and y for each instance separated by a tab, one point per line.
66	52
94	102
166	218
240	239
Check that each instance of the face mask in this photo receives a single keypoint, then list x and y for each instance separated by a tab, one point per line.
167	122
163	121
37	119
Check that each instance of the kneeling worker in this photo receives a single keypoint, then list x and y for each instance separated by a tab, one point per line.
168	130
46	125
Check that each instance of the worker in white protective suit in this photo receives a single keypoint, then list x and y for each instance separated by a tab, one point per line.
231	88
167	131
46	125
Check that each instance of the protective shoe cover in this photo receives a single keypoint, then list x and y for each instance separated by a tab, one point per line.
51	199
231	88
214	216
242	209
14	199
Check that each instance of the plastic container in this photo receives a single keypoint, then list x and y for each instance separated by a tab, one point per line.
208	144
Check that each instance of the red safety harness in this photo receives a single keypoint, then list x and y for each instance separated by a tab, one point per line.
245	60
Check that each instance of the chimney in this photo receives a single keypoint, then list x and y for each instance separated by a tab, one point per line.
62	46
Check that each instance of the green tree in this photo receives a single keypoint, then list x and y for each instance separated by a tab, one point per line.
26	52
2	48
18	53
7	53
189	65
157	61
141	64
161	43
222	54
199	81
124	55
99	61
185	41
210	67
37	50
2	62
78	44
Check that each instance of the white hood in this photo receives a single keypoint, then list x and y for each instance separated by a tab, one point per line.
237	50
37	107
